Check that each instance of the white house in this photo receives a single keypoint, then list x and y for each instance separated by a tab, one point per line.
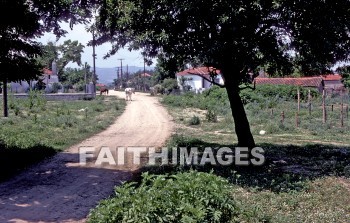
23	86
196	78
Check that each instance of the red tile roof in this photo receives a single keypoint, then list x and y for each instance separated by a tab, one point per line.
331	77
47	71
202	71
100	85
145	75
304	81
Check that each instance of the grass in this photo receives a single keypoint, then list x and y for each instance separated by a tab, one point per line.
306	176
37	129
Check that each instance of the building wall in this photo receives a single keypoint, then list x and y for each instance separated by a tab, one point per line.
333	84
198	83
60	97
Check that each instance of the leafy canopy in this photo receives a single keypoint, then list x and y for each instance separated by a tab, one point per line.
311	34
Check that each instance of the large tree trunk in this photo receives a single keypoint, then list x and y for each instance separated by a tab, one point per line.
244	135
4	97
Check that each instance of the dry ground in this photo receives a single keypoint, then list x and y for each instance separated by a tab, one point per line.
62	190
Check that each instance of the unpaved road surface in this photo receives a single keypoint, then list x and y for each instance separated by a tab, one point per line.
60	189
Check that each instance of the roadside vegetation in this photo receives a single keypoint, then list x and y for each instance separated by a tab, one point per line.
306	176
37	128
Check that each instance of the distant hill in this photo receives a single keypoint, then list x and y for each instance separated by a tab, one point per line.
106	75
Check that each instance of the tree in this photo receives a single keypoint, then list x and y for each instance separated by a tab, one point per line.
166	68
17	51
21	22
345	73
236	37
69	51
76	76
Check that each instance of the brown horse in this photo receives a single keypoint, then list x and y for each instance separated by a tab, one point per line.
104	90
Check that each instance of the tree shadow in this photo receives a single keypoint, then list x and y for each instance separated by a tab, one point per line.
14	159
57	189
286	167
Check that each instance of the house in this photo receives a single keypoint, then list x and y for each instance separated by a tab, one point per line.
48	78
313	82
328	82
196	79
333	82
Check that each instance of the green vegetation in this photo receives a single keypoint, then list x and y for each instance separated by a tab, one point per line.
345	72
194	120
38	128
264	108
185	197
305	177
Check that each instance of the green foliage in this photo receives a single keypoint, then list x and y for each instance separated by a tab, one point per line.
35	101
17	53
213	99
284	92
345	72
184	197
169	84
211	116
56	87
194	120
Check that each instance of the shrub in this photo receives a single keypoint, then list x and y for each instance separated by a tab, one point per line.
194	120
184	197
211	116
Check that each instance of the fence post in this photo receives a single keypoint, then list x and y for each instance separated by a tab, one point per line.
309	102
324	107
282	117
271	112
297	119
298	100
342	115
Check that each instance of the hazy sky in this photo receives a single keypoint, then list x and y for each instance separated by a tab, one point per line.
79	33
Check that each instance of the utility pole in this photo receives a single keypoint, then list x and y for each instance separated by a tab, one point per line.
85	77
94	59
121	67
144	73
127	72
118	76
121	70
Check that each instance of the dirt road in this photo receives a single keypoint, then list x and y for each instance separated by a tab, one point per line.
62	190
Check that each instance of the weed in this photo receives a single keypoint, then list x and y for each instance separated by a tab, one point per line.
195	120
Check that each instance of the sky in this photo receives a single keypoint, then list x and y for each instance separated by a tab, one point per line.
133	58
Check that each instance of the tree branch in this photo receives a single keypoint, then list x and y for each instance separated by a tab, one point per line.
249	87
207	79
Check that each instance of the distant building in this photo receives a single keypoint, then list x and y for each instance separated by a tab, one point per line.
48	78
196	78
145	75
332	82
313	82
329	82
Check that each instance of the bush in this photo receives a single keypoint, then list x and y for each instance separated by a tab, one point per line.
184	197
287	92
211	116
194	120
